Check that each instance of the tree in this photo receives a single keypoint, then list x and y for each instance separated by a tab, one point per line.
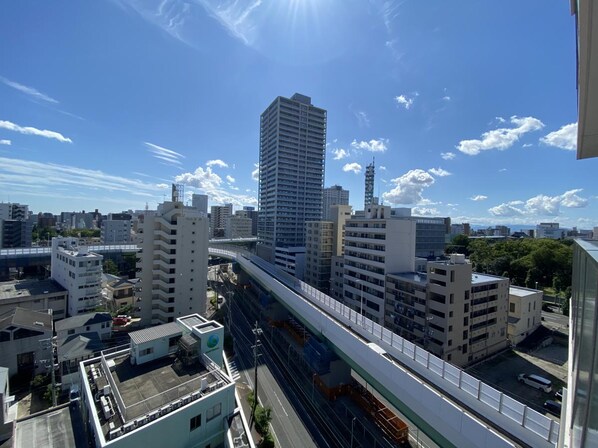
566	306
110	267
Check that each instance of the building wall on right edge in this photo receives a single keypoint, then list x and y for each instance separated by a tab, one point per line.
582	404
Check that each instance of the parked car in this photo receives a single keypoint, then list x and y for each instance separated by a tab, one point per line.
535	381
554	407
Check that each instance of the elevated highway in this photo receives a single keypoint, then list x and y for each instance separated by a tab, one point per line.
450	406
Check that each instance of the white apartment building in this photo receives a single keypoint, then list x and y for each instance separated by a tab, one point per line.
79	272
525	312
168	389
335	195
291	172
173	262
457	314
115	231
375	245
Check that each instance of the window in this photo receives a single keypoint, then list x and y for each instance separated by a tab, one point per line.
529	307
71	332
511	307
195	422
146	351
213	412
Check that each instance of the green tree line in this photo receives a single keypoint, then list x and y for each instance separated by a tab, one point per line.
525	261
47	233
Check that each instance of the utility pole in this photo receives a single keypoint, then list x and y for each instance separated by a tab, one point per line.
257	331
51	345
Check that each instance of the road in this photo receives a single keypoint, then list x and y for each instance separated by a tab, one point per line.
288	428
556	321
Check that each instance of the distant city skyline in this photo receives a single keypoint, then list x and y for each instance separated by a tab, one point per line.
469	110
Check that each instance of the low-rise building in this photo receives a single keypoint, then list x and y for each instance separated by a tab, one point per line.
6	416
100	323
167	389
119	292
525	312
36	295
21	351
71	351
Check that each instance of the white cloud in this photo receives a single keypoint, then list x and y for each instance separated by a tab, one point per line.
409	187
255	174
217	162
5	142
230	178
542	205
362	119
502	138
28	90
27	130
340	153
564	138
210	183
355	167
425	211
448	155
446	98
505	209
204	179
404	101
52	177
235	17
527	145
167	155
502	170
162	186
382	168
373	145
500	119
439	172
478	197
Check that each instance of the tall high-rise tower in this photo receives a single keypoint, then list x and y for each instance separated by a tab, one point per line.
369	185
291	176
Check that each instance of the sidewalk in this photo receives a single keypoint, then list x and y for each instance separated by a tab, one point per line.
243	390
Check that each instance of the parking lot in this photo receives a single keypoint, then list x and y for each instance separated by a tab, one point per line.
501	373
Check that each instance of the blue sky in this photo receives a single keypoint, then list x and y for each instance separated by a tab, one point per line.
469	108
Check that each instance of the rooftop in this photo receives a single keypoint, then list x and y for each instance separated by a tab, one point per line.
28	288
82	321
477	278
33	320
522	292
61	427
141	393
153	333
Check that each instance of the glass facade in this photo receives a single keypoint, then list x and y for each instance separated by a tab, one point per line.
583	381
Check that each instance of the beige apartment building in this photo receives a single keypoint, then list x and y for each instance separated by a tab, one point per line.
324	241
457	314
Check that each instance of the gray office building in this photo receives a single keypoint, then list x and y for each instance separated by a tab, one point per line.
291	173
